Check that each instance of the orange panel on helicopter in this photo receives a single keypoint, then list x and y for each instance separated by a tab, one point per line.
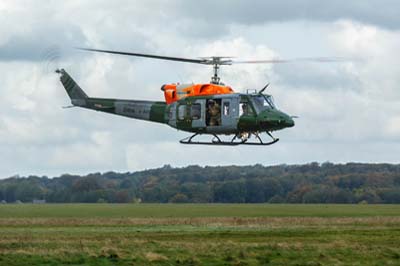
175	92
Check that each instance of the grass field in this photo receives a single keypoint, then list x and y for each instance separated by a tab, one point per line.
218	234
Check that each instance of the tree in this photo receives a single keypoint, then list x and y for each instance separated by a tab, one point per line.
367	195
197	192
179	198
271	187
255	191
316	195
234	192
351	181
277	199
86	184
9	192
390	195
310	183
340	196
122	196
296	196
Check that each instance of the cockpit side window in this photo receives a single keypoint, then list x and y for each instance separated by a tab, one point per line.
245	107
270	100
262	102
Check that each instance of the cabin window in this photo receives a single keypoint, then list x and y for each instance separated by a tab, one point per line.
195	111
226	108
181	112
171	113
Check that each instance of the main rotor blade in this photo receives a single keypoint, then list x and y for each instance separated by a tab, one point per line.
294	60
219	60
188	60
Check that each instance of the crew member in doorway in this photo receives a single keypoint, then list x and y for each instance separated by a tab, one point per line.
214	110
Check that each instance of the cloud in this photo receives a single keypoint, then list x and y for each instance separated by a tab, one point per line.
383	14
378	74
154	26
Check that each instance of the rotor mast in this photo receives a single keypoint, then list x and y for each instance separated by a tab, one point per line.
215	79
216	62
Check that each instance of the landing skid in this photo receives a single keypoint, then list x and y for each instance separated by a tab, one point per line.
234	142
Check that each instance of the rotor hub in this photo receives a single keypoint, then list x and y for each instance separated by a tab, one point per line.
216	62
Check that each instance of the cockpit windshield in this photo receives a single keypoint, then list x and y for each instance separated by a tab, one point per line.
262	102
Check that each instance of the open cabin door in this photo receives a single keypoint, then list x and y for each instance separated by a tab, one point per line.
222	114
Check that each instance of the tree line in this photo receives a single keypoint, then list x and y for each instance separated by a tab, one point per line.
308	183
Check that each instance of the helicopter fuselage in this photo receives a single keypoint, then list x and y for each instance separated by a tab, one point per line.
230	113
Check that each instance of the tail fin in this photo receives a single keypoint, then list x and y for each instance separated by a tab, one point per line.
77	95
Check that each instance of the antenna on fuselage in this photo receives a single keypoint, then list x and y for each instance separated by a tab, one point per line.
263	89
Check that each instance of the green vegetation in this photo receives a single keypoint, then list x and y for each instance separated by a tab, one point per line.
194	210
199	234
310	183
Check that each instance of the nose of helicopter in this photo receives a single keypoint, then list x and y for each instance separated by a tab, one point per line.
274	119
289	122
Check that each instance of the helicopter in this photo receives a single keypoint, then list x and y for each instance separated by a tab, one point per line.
212	109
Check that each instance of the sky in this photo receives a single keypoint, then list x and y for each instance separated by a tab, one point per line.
348	111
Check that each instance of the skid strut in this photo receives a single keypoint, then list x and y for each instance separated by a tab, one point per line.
217	140
214	141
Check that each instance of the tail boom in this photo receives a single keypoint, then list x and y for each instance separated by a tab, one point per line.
143	110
